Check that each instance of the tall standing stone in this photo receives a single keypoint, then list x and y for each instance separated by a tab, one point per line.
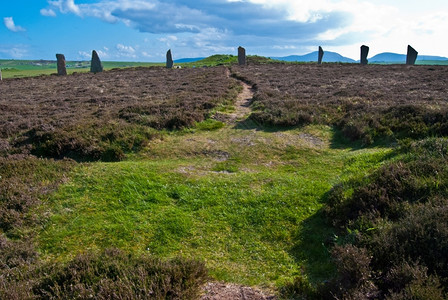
411	56
321	56
1	78
241	56
169	60
95	65
364	54
61	64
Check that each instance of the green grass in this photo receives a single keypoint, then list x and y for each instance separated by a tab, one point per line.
241	200
29	68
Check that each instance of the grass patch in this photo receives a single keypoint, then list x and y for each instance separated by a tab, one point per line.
209	125
244	225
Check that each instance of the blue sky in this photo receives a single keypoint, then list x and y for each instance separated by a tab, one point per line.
143	30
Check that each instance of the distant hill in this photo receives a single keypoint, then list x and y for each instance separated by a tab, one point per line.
311	57
188	60
388	57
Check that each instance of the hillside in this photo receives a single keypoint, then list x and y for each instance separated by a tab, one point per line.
312	57
401	58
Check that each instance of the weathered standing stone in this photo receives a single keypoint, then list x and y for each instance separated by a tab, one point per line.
1	78
61	64
169	60
321	55
241	56
95	65
411	56
364	54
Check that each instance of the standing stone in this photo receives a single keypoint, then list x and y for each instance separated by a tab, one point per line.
241	56
321	55
412	56
169	60
364	54
61	64
95	64
1	75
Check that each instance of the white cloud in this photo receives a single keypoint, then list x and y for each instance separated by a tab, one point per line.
286	47
47	12
281	26
14	51
86	55
66	6
126	51
9	23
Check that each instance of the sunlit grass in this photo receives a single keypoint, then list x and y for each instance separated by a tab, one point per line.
242	209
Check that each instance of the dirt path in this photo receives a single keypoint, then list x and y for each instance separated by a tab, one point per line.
242	106
226	291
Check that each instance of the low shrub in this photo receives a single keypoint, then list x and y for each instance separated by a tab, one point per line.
299	288
354	277
23	180
114	274
421	235
88	142
400	216
411	281
389	191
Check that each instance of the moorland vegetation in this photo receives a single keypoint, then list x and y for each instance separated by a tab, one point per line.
123	184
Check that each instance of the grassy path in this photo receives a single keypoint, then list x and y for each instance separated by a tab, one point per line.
245	200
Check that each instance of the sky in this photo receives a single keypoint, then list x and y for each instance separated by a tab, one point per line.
143	30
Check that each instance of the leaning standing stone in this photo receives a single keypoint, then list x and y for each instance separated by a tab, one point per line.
364	54
412	56
95	64
321	56
169	60
61	64
241	56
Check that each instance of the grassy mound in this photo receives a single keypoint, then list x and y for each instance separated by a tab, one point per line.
394	229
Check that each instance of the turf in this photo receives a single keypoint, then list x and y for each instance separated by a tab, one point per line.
207	194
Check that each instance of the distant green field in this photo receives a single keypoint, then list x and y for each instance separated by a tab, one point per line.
27	68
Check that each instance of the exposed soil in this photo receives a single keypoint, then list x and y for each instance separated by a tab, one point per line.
226	291
242	105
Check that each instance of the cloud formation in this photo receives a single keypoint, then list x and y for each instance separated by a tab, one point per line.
9	23
66	6
173	17
14	51
47	12
266	26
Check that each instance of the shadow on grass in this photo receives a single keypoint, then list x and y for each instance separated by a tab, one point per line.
250	124
311	248
339	141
